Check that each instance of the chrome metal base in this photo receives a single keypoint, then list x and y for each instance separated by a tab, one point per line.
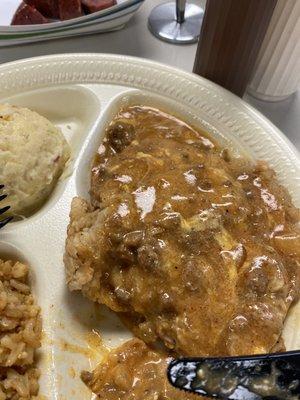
163	24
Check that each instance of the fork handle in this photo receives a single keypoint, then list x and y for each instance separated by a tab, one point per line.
238	378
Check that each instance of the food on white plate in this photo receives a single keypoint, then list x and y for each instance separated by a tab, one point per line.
69	9
91	6
32	12
134	371
193	246
49	8
32	158
20	333
27	15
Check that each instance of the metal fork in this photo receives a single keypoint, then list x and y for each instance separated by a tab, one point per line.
6	220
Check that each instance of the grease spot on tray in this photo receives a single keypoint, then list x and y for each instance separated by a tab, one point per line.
41	397
94	345
72	372
73	348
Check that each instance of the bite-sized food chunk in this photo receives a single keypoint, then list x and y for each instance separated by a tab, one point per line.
48	8
120	135
20	333
27	15
134	372
19	383
69	9
32	158
192	246
20	321
91	6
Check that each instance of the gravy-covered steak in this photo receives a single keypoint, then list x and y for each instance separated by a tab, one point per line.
191	245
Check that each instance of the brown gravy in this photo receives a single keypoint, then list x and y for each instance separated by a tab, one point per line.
134	372
191	246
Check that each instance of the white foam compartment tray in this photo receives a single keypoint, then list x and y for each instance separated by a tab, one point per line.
82	111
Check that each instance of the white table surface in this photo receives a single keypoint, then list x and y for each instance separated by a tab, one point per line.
136	40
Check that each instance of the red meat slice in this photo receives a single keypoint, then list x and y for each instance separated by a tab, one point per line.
49	8
27	15
69	9
92	6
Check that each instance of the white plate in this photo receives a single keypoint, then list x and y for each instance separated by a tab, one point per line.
80	93
102	21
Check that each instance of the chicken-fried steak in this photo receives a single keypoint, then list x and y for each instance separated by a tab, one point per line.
190	245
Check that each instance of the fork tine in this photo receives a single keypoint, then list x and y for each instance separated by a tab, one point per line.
4	209
5	221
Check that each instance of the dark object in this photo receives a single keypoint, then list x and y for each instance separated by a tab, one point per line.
91	6
27	15
69	9
231	36
48	8
3	210
120	136
268	377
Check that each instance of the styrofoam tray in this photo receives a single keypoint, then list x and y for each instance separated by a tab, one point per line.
80	94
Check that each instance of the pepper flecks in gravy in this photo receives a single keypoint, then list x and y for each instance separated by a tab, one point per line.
191	246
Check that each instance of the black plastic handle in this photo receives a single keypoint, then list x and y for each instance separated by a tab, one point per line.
268	376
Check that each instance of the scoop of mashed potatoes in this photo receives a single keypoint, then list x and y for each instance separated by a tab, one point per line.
33	154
